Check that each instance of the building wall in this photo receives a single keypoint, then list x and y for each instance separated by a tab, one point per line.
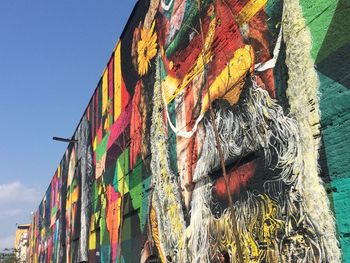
21	243
329	26
218	129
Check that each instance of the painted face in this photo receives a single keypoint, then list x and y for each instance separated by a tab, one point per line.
215	71
208	57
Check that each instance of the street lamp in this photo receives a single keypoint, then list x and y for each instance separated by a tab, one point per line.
64	139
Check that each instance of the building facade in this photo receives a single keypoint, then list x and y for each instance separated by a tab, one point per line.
218	132
21	243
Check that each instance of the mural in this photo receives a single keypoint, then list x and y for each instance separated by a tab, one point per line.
200	144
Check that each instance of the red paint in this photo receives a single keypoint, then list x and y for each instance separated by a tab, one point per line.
136	125
111	85
227	40
191	151
119	126
125	95
238	178
99	134
258	37
93	129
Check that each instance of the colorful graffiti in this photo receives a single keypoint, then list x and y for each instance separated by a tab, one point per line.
200	144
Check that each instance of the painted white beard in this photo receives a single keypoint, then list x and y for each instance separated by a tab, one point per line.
256	123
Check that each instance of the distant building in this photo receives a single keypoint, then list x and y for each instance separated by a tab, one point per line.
21	243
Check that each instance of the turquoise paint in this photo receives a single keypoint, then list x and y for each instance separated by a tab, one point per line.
335	123
146	184
341	197
172	145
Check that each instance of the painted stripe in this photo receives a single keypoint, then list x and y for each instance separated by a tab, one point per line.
249	10
117	83
104	92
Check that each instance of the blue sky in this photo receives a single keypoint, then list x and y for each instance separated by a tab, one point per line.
52	54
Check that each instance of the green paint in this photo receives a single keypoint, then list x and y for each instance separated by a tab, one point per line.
190	16
136	188
126	240
168	13
54	211
121	177
318	15
338	32
102	147
135	178
146	183
94	196
104	233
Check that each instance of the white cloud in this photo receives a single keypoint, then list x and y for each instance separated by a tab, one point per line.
7	242
17	192
16	202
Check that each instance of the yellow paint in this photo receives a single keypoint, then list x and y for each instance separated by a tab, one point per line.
228	85
146	49
172	86
92	236
106	124
42	232
243	59
104	91
68	204
122	178
75	195
21	232
155	232
71	167
117	83
266	228
94	144
270	216
249	10
173	205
